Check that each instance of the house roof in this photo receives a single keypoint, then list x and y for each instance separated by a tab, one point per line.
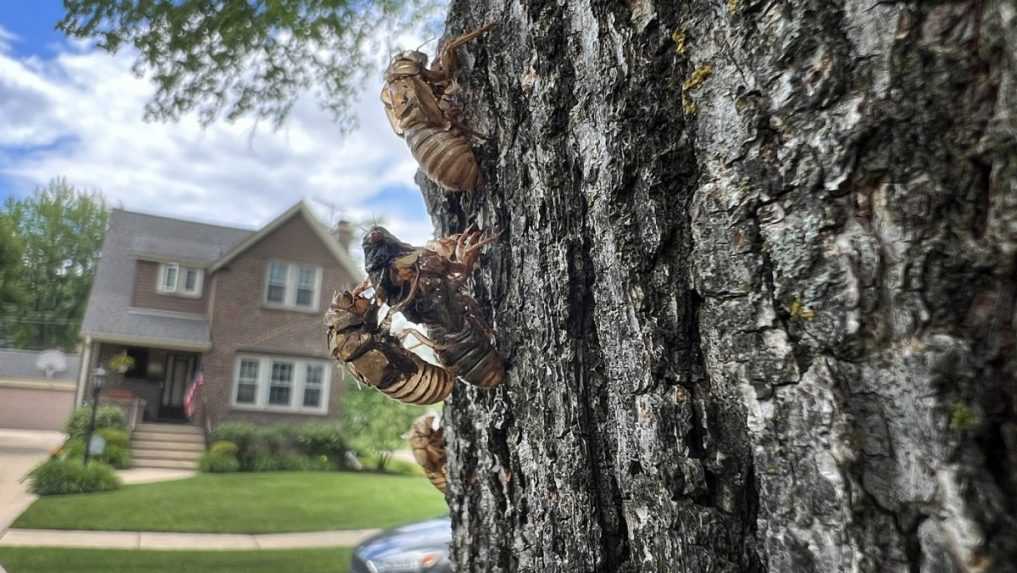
156	237
22	365
132	236
300	209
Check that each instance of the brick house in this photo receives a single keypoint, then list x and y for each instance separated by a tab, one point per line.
242	306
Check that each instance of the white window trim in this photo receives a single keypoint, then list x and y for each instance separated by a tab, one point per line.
290	292
180	281
161	285
296	405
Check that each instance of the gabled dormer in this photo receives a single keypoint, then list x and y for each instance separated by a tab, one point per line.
176	279
172	284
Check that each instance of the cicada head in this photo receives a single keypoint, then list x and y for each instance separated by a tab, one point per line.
406	63
381	248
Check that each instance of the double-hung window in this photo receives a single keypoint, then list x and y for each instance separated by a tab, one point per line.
307	277
276	293
247	381
280	383
180	280
192	282
168	277
313	377
292	285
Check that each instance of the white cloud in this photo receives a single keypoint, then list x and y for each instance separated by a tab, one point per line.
79	115
6	38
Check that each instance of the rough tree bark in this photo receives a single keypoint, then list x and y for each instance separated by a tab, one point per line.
756	287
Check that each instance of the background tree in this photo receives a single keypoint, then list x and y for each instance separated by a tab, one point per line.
61	229
232	57
11	291
375	424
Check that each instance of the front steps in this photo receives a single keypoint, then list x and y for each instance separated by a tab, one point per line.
167	446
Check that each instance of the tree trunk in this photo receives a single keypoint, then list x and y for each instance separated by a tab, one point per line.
756	287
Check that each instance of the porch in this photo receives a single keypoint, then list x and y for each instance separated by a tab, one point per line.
153	387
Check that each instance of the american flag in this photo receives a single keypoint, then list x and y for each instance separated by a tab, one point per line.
192	392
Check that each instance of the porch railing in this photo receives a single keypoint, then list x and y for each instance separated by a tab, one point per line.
134	410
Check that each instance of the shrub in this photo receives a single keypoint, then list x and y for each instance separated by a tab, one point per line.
274	440
58	476
218	463
374	423
313	446
321	440
266	463
300	462
240	433
114	454
322	463
391	465
107	416
115	437
224	448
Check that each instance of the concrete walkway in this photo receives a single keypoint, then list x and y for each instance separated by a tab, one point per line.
152	475
189	541
20	451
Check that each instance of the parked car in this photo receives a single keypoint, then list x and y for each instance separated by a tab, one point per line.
416	548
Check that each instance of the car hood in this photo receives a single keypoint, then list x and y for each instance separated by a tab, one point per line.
424	535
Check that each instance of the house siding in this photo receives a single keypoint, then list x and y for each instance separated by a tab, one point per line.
240	323
38	405
146	294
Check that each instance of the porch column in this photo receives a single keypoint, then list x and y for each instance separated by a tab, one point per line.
84	367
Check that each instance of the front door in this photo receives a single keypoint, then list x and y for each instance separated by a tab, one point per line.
179	371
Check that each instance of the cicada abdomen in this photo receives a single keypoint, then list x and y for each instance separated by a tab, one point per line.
428	446
470	355
445	157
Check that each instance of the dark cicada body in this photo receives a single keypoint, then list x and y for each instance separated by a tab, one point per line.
427	285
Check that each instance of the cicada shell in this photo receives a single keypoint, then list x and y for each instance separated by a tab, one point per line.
428	446
420	109
376	358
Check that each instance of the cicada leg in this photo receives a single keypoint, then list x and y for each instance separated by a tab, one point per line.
447	61
414	282
364	285
422	339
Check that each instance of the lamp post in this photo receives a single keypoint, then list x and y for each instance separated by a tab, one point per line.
98	380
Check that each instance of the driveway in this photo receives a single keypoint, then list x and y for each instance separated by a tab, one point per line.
20	450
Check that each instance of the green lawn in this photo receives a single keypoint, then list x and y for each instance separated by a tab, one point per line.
245	503
48	560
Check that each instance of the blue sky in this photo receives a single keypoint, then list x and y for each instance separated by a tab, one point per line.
34	21
69	110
